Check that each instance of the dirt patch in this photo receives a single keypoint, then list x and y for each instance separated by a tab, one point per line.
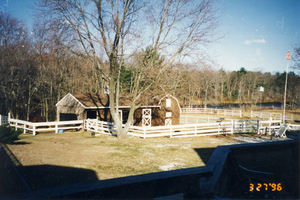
170	166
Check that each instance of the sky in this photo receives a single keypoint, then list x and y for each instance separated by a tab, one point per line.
257	33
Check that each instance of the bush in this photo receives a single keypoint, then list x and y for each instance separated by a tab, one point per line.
8	134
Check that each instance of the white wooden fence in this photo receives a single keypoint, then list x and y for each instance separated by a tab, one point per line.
266	115
45	126
212	111
187	130
209	126
100	126
268	127
188	119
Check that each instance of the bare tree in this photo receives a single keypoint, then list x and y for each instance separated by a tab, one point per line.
116	30
15	64
296	58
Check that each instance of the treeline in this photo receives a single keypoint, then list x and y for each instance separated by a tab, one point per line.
37	70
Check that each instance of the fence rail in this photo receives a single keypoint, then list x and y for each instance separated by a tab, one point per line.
45	126
212	111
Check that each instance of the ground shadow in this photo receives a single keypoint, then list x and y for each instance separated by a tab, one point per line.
205	153
20	143
10	181
47	176
16	178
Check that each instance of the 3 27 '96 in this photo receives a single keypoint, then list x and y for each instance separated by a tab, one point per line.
265	187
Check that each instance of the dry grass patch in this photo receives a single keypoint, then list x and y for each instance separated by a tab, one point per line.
110	158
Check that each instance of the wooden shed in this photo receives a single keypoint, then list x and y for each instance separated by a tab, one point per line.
96	106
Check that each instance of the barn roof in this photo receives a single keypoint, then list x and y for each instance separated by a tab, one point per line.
101	100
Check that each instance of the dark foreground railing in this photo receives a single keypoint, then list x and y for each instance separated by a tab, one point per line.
229	173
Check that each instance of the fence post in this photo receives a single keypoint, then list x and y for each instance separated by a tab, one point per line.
144	132
16	126
243	126
219	127
24	129
33	127
251	113
170	131
0	121
8	118
195	129
225	112
258	125
87	124
56	128
260	115
96	129
232	125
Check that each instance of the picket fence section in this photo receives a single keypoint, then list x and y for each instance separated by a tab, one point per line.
212	111
45	126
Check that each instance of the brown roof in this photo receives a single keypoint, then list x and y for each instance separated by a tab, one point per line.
102	100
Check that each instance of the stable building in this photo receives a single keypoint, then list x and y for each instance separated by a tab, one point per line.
165	111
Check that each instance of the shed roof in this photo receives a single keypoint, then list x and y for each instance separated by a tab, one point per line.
101	100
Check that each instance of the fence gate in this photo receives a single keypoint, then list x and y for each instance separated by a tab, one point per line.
146	120
245	126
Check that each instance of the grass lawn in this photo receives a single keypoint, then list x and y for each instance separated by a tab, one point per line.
50	159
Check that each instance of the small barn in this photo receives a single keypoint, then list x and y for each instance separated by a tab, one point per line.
170	107
165	111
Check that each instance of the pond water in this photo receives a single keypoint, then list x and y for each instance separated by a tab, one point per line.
237	105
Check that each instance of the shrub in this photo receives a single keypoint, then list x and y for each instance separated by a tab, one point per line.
8	134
